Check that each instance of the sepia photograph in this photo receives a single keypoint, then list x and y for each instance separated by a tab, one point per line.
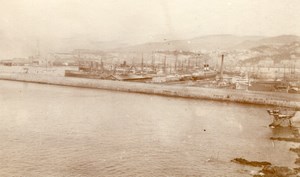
149	88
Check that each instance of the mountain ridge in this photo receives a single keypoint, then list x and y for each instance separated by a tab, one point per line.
26	47
212	42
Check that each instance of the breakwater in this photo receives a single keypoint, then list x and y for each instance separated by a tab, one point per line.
240	96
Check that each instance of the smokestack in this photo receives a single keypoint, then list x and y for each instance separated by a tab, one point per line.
221	69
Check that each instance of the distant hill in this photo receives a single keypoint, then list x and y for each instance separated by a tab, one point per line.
25	47
221	41
276	52
213	42
277	40
18	47
210	42
83	43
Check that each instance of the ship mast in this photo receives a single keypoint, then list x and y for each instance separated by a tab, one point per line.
153	62
142	65
165	62
176	58
221	69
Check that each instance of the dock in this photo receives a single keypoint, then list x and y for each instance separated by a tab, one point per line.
239	96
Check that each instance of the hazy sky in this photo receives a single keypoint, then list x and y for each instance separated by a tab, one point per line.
145	20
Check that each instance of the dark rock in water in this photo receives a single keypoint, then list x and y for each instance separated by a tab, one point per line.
275	171
296	150
297	161
297	140
250	163
297	170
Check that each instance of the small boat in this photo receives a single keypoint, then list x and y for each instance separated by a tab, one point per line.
281	115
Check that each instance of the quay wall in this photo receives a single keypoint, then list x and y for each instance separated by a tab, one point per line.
240	96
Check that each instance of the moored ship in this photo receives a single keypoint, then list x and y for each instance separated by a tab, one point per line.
206	73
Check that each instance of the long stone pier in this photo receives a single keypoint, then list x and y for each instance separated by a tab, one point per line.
240	96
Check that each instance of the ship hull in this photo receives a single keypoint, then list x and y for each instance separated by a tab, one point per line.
201	76
90	75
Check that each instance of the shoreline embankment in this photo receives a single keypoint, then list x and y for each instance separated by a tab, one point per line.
239	96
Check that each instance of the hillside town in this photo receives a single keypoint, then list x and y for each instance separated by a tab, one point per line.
271	66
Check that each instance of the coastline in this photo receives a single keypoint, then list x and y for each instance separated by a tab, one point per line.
239	96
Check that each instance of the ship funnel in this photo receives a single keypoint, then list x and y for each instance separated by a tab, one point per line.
206	67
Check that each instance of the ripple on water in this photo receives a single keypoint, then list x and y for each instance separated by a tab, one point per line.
62	131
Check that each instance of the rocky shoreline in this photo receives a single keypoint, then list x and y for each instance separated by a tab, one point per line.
270	170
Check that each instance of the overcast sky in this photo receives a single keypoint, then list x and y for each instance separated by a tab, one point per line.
146	20
143	19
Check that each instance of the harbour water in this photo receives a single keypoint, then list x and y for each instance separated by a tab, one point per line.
51	130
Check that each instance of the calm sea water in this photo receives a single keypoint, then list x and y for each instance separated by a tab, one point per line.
63	131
